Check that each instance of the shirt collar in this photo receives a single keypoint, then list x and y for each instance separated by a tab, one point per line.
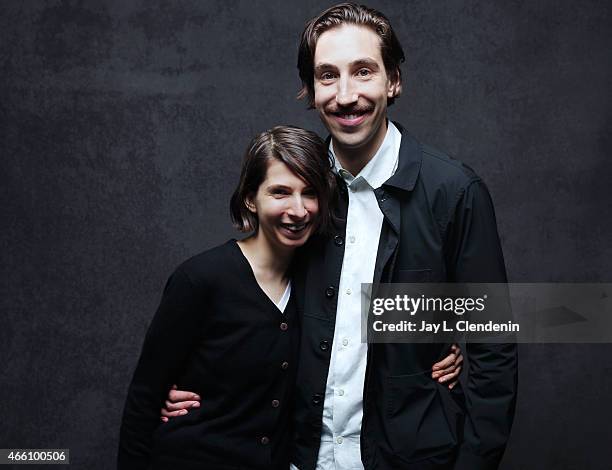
380	168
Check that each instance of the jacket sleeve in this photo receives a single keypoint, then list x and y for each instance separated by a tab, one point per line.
170	338
475	255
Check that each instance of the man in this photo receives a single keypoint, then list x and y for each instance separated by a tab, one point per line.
407	214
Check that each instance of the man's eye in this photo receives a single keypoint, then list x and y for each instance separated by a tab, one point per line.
363	72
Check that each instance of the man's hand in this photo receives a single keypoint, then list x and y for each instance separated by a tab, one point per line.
178	402
449	368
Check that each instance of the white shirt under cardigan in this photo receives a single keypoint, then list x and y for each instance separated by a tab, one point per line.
284	300
343	406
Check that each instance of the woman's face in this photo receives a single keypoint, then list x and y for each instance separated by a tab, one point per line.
286	207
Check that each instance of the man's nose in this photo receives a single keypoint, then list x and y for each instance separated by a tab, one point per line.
346	93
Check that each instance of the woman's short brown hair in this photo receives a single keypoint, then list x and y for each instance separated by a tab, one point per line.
306	155
347	13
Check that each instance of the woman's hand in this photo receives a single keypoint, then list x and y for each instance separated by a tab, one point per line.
178	403
449	368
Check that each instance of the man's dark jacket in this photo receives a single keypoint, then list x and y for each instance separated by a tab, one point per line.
439	226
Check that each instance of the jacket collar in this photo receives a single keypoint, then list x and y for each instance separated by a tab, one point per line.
409	165
380	167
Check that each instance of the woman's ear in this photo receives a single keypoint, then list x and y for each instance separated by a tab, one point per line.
250	205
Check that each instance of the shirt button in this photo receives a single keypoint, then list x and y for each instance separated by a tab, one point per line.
265	440
317	398
339	440
275	403
345	342
324	345
352	239
349	291
284	326
285	365
329	292
341	392
338	240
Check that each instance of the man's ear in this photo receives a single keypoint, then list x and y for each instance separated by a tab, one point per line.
395	86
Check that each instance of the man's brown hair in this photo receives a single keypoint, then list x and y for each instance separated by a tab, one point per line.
347	13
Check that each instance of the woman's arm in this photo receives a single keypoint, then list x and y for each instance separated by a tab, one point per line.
171	337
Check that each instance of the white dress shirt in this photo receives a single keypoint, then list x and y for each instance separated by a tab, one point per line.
284	300
343	406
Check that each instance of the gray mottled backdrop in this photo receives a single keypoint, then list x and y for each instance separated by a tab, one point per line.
122	125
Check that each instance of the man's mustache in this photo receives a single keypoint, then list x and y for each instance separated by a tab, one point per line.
358	109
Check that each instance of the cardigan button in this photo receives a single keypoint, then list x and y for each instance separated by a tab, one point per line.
338	240
324	345
329	292
284	326
317	398
275	403
265	440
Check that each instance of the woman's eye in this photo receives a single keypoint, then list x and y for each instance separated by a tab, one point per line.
279	192
309	193
327	76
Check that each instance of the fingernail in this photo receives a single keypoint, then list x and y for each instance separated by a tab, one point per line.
195	397
183	412
196	404
164	419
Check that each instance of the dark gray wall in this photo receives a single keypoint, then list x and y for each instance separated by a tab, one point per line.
122	127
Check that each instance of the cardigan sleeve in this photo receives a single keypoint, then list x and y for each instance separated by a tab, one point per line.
476	256
170	338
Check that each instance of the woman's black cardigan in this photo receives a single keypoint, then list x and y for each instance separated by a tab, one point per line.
215	333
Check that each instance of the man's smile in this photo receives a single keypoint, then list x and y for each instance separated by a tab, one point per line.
350	120
351	117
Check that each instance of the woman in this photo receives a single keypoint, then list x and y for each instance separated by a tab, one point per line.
227	328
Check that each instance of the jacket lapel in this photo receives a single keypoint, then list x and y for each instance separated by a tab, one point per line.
390	197
389	234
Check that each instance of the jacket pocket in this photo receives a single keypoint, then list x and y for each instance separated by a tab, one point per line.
413	275
417	424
